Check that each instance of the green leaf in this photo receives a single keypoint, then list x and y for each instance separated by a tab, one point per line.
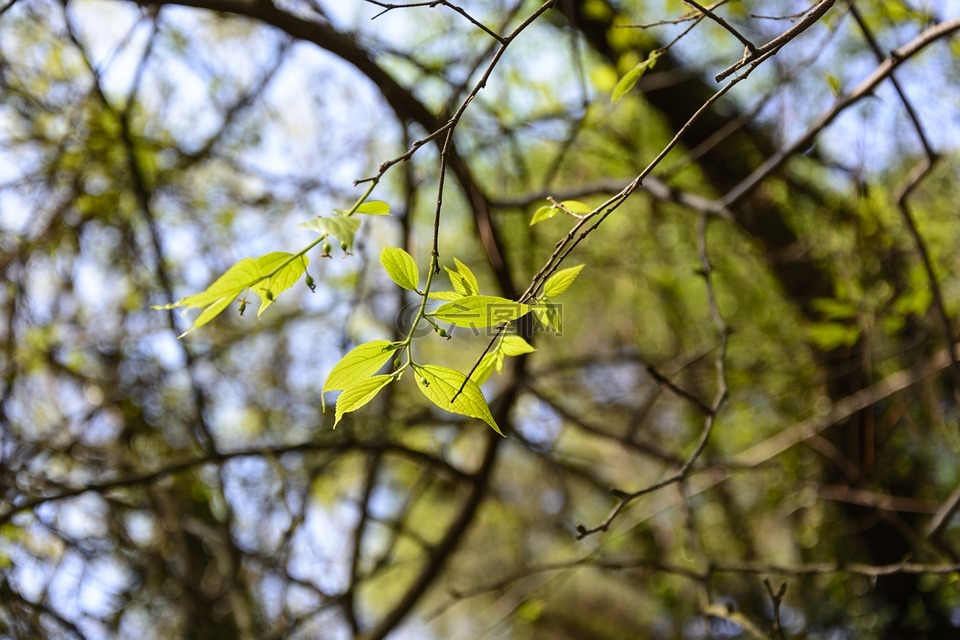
561	281
359	394
250	273
209	314
374	208
440	384
463	280
480	311
575	206
547	317
832	309
831	335
630	78
544	213
284	277
445	295
487	363
515	346
401	267
340	227
360	363
234	280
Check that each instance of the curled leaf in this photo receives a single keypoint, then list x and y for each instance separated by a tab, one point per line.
630	78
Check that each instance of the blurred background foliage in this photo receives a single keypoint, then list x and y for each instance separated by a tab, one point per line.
156	488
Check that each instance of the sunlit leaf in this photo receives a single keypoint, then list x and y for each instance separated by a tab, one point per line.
515	345
283	276
359	363
561	281
485	367
463	280
374	208
440	385
543	213
268	276
342	227
575	206
210	313
359	394
234	280
547	317
480	311
445	295
401	267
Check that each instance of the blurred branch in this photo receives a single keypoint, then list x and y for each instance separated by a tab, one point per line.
756	54
219	457
861	91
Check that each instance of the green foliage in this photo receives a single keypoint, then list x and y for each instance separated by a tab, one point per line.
480	311
508	345
373	208
572	207
463	280
401	267
358	364
442	387
630	78
447	388
359	394
341	227
561	281
268	276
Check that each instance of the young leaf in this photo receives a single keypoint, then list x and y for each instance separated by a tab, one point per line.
359	394
469	279
360	363
374	208
547	317
445	295
515	346
543	213
209	314
340	227
234	280
484	368
630	78
440	384
561	281
249	273
480	311
575	206
401	267
285	277
463	280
